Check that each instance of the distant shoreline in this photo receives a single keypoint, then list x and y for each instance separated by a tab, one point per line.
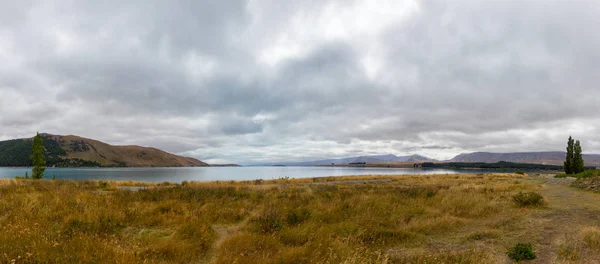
224	165
114	167
456	165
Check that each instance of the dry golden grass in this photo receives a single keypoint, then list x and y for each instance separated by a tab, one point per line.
583	246
410	219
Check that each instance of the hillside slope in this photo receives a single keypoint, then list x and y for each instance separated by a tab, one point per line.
74	151
548	157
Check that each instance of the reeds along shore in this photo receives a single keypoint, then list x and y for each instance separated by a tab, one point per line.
416	219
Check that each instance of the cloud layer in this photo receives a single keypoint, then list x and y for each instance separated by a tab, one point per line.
251	81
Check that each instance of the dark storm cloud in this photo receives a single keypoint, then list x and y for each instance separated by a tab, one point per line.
251	81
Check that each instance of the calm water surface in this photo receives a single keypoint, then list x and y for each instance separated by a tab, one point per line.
178	175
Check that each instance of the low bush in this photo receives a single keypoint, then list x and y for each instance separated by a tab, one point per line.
525	199
103	185
297	216
269	221
584	174
521	251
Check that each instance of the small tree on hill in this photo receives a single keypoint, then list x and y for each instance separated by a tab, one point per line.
577	158
569	168
37	158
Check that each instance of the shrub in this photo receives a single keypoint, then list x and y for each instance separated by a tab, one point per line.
297	216
584	174
269	221
528	199
520	172
103	185
521	251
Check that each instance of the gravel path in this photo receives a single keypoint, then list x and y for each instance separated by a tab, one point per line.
549	178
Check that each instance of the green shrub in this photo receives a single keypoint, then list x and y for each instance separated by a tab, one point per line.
521	251
103	185
528	199
520	172
584	174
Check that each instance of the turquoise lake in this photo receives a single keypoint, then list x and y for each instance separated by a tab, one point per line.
178	175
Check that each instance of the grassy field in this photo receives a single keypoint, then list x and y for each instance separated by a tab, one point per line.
397	219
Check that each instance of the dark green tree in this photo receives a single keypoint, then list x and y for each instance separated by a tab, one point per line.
569	168
37	158
577	158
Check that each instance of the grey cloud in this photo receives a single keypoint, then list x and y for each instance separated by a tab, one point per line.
190	76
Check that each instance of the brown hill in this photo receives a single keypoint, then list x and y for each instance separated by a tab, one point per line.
122	156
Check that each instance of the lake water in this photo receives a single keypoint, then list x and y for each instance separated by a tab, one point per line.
177	175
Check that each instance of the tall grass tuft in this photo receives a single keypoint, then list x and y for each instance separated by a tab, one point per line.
528	199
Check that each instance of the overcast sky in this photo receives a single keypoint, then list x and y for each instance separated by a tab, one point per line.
272	80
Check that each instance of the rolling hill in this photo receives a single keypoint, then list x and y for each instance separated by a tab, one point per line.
547	157
74	151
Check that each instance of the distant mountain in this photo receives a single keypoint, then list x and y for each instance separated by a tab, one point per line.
74	151
388	158
548	157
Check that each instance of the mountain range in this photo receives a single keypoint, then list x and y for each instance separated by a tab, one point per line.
74	151
388	158
547	157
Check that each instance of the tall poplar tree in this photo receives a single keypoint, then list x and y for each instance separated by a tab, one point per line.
569	166
37	158
577	158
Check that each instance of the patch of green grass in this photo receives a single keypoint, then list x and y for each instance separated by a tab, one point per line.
584	174
521	251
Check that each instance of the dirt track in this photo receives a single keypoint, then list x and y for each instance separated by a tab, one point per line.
569	210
